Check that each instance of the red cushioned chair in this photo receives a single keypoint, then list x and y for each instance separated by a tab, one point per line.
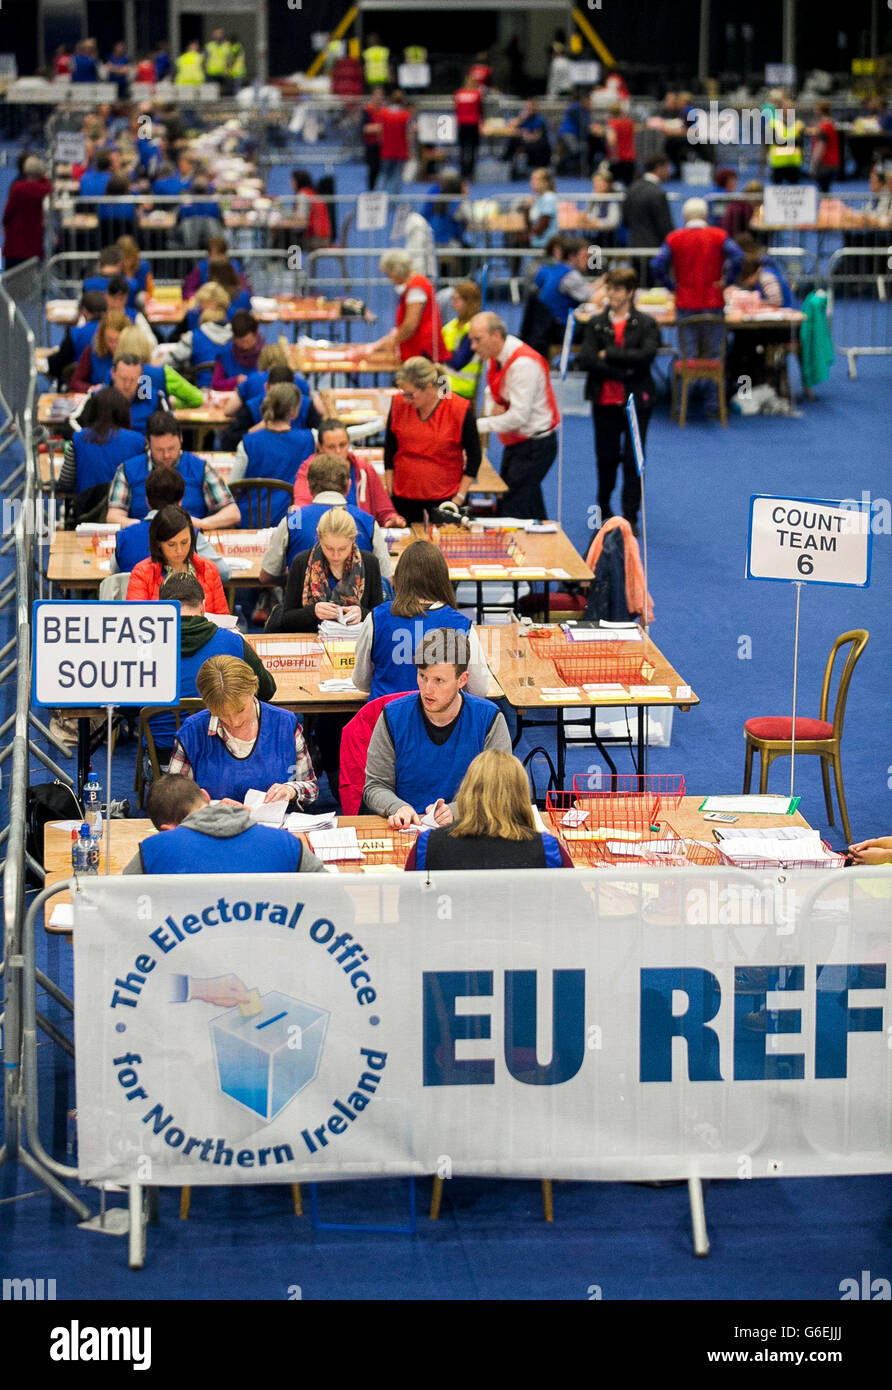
772	737
356	736
688	366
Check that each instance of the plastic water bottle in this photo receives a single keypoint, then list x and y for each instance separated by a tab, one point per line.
81	852
93	804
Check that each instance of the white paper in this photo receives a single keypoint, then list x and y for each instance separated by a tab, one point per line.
265	813
226	620
332	631
559	574
542	528
335	846
655	692
238	563
297	821
598	634
62	915
338	685
96	528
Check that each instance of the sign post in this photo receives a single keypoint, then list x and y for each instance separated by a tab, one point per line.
562	367
803	540
638	451
96	654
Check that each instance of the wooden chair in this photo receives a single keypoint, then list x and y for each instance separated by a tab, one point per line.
688	367
771	737
259	492
144	732
547	1199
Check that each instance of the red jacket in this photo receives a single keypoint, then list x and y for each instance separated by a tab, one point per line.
355	739
23	218
371	494
697	264
146	579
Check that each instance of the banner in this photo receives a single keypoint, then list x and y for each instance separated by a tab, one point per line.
589	1024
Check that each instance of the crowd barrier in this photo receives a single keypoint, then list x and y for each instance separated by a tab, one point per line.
859	304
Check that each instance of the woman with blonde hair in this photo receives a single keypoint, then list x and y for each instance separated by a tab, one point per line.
333	581
493	826
237	742
275	450
423	599
94	366
200	346
431	446
137	272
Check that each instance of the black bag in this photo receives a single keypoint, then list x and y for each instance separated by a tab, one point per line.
48	801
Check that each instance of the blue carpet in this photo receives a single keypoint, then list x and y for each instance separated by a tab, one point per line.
778	1239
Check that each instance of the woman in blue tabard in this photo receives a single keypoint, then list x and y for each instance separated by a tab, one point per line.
423	599
276	450
238	743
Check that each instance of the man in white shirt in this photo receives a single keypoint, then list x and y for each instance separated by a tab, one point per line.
519	405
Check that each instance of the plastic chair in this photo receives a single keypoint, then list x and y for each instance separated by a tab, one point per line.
259	492
144	732
689	367
771	737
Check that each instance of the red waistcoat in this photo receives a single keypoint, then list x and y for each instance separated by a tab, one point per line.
429	460
427	340
494	376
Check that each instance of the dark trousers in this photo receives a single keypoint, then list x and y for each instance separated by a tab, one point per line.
468	143
373	164
414	508
787	173
613	445
524	467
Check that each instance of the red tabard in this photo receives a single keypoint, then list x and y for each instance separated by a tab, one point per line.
614	392
394	141
494	377
429	461
427	340
468	103
697	265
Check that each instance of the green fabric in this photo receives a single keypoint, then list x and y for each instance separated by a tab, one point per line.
816	345
181	393
196	632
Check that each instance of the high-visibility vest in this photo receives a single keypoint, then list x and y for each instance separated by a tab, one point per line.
787	155
190	69
216	58
376	61
464	381
236	60
415	53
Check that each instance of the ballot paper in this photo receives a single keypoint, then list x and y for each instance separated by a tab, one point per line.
605	692
330	630
62	915
557	697
335	846
655	847
601	634
265	812
227	620
298	821
341	685
238	564
396	533
776	848
96	528
542	528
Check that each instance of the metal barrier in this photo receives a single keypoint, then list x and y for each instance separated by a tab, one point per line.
859	302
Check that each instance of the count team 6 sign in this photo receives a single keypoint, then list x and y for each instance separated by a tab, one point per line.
810	541
123	653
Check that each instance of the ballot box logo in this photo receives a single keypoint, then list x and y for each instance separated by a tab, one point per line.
264	1059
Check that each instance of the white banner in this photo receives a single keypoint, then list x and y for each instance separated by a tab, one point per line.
602	1025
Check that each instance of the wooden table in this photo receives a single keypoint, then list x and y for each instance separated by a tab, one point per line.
358	405
54	409
522	675
547	558
127	835
331	361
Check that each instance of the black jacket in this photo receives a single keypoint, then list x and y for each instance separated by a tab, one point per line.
646	214
629	364
293	616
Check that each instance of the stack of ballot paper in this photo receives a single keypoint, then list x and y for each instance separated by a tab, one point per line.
297	821
265	812
332	631
338	685
335	846
603	634
784	846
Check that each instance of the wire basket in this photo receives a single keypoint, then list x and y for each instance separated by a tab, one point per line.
601	667
584	815
394	854
667	787
830	860
461	546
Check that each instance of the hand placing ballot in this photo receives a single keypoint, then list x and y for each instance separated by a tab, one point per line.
224	991
351	615
439	812
328	612
404	817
